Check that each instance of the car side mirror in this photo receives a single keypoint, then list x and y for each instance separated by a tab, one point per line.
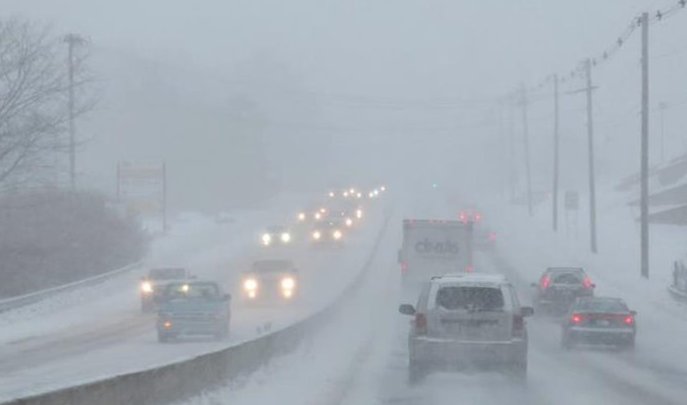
527	311
226	297
406	309
633	313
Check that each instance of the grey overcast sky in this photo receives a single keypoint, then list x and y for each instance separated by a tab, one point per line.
305	64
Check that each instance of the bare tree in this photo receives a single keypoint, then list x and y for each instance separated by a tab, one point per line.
34	87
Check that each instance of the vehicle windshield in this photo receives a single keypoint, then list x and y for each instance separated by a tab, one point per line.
600	305
167	274
192	291
470	298
567	277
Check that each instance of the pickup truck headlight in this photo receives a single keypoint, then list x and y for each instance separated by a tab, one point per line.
316	235
266	239
147	287
288	283
286	237
250	284
349	222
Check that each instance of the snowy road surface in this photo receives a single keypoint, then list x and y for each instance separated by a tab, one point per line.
99	331
369	362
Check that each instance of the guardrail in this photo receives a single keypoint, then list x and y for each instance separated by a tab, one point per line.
31	298
186	379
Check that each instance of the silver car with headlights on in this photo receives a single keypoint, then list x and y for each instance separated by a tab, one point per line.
467	321
276	236
270	281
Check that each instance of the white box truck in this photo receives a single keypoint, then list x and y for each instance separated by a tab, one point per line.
433	248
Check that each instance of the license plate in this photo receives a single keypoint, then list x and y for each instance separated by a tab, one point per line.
603	322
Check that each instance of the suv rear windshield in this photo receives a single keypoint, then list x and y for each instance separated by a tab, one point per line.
568	277
185	291
470	298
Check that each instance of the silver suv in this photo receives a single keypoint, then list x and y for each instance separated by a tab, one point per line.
467	320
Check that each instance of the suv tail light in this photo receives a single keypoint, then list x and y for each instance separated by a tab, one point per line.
404	267
629	320
576	319
518	325
420	324
587	283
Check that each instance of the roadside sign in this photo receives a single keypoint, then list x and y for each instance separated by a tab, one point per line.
572	200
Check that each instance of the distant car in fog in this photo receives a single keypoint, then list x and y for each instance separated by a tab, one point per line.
193	308
559	287
599	320
465	321
276	236
270	281
329	231
153	285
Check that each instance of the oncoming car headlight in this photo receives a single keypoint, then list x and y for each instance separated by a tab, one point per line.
318	215
288	283
359	213
285	237
147	287
266	239
337	234
250	284
301	216
349	222
316	235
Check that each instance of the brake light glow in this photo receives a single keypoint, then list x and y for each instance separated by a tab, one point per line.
629	320
469	268
587	283
576	319
545	282
421	324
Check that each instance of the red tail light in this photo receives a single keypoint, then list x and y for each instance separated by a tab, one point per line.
469	268
404	267
420	324
545	282
629	320
518	325
587	283
463	217
576	319
492	236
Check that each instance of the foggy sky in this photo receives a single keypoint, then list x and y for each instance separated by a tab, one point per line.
360	86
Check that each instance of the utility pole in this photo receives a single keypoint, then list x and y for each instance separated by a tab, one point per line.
526	144
555	152
644	194
511	162
72	41
590	141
